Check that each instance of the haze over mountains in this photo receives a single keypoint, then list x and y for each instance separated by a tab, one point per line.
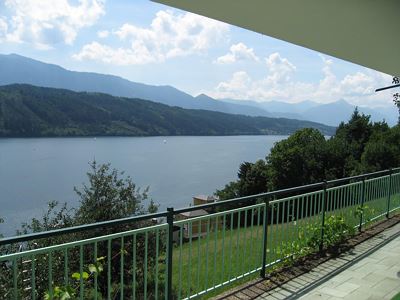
19	69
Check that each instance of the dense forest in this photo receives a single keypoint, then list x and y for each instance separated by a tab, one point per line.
29	111
358	146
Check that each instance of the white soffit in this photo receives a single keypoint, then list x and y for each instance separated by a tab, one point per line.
365	32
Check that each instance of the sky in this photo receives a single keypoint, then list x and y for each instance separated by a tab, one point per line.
156	44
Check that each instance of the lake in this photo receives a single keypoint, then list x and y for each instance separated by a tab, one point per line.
34	171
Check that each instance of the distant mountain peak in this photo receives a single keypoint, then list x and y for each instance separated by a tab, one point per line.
203	96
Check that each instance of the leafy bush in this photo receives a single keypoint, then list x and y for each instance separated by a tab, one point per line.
336	230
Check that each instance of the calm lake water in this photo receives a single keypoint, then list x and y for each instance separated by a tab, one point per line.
36	171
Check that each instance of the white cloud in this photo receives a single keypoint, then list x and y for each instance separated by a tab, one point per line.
47	22
3	28
103	34
279	84
280	69
117	56
238	52
239	82
169	35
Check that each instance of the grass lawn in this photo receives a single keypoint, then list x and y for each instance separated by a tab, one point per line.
397	297
225	254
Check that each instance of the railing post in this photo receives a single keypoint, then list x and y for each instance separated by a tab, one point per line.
324	204
362	204
389	193
170	221
265	238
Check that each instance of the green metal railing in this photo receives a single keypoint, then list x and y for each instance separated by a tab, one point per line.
181	258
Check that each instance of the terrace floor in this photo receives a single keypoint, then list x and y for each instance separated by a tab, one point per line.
369	270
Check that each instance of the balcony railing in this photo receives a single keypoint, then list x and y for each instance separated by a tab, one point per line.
141	258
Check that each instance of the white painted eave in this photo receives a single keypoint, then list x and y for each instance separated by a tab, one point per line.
365	32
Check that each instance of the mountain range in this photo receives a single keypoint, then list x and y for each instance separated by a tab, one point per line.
31	111
19	69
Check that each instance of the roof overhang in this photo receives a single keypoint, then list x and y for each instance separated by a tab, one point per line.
365	32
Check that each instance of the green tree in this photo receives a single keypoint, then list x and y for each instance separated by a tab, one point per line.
382	151
297	160
109	195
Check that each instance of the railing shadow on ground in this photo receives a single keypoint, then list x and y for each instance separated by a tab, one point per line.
162	256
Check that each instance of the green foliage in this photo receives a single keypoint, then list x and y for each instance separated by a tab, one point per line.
28	111
298	160
109	196
358	146
308	239
252	180
336	230
56	217
365	212
71	291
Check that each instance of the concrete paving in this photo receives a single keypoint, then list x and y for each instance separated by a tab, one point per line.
374	277
355	275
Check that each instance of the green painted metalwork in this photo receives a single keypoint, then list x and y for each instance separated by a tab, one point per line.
211	251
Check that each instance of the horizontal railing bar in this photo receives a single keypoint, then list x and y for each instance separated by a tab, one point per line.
56	232
80	228
241	199
219	214
89	241
296	196
362	176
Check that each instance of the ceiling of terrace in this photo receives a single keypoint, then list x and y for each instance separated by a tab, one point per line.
365	32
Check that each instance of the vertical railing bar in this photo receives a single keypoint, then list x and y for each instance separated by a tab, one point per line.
207	252
223	248
278	236
237	245
308	208
297	215
122	267
81	272
283	225
342	193
315	201
251	240
109	269
288	224
134	267
199	238
257	257
170	221
230	248
265	238
15	278
145	267
244	260
180	262
215	251
95	273
389	193
190	227
324	202
156	279
362	204
66	279
272	232
33	277
50	268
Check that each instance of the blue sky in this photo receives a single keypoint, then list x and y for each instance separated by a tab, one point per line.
155	44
